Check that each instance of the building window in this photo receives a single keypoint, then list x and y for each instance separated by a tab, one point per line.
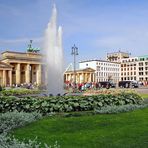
140	68
98	68
140	64
146	63
141	59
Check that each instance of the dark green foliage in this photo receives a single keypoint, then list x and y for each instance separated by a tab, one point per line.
19	92
1	88
46	105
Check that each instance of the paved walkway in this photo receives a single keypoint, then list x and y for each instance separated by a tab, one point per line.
142	90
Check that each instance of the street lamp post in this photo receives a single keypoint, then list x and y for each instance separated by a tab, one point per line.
74	52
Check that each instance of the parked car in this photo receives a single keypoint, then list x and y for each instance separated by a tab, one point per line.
128	84
106	84
88	85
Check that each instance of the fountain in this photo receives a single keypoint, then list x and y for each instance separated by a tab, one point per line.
54	55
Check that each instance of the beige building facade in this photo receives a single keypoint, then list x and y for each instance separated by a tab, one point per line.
17	68
131	68
135	68
5	74
117	56
104	70
82	75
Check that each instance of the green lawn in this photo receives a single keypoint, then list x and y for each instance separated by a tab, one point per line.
125	130
145	96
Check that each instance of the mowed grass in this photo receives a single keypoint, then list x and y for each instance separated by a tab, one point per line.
145	96
125	130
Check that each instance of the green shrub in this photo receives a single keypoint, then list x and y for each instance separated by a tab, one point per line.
11	120
19	92
119	109
46	105
1	88
11	142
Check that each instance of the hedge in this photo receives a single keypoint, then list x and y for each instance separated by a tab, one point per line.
46	105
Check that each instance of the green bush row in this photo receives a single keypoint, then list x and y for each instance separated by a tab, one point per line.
119	109
17	92
66	103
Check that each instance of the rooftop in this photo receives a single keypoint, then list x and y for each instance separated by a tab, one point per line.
96	60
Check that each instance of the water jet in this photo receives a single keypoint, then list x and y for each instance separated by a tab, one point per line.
53	51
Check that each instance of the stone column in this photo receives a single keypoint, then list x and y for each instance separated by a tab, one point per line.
4	77
66	77
83	77
86	77
78	78
94	80
18	73
10	77
39	73
91	79
27	73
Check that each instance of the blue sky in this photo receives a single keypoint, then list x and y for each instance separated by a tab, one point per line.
95	26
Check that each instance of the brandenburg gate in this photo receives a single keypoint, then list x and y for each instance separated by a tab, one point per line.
19	68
